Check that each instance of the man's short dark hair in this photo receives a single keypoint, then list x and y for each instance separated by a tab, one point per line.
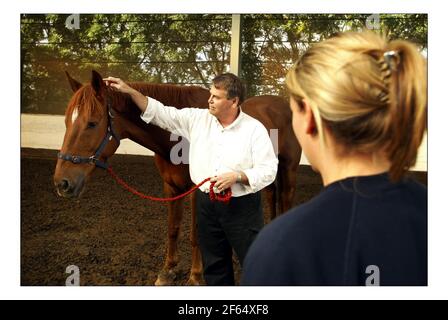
232	84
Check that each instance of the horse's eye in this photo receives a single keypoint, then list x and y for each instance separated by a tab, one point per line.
91	124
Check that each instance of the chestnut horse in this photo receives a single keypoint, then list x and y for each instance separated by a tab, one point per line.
97	118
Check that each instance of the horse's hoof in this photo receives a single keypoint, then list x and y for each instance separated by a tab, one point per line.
165	278
160	282
195	280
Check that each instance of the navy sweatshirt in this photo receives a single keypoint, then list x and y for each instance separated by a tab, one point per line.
357	231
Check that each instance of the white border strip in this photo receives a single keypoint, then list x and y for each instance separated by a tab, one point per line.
10	219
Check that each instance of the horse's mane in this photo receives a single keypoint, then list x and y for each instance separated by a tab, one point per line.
174	95
86	102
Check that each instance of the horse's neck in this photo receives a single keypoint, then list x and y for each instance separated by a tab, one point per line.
150	137
168	95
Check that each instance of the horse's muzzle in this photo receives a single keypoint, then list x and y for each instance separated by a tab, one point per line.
67	189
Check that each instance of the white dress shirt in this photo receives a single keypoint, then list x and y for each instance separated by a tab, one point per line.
242	146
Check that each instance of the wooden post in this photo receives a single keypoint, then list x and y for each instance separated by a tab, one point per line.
235	45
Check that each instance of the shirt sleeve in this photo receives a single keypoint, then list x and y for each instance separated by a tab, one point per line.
265	166
177	121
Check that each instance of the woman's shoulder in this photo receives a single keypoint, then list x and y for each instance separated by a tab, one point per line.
415	187
317	212
292	241
331	209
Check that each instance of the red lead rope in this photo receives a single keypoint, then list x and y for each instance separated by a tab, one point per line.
213	196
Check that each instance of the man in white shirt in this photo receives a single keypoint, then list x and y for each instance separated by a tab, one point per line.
232	148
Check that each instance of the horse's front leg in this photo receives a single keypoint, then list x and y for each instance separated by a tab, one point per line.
175	211
196	277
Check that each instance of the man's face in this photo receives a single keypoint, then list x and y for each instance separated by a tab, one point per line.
218	104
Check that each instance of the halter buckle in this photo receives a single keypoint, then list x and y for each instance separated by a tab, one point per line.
76	160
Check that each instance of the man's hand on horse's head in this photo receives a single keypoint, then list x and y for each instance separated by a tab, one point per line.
118	84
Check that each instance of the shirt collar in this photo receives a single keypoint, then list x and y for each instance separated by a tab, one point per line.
238	119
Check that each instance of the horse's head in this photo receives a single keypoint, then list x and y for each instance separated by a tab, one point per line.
89	136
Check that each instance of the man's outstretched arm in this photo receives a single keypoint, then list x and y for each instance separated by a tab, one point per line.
139	99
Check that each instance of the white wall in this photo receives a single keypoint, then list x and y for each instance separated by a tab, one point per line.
47	132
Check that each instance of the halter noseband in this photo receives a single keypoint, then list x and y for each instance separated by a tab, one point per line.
95	159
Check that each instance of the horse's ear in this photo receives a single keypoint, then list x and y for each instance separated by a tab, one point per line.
97	83
73	83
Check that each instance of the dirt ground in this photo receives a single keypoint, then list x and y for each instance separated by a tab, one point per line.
113	237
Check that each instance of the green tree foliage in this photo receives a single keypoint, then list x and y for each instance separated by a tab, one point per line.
274	42
176	48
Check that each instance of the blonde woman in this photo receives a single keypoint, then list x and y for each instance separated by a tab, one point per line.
359	112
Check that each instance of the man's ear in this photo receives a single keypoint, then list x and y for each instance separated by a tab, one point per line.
75	85
236	102
310	125
97	83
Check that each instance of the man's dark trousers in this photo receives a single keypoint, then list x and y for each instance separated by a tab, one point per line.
222	227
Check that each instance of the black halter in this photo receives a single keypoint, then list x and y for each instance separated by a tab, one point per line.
95	159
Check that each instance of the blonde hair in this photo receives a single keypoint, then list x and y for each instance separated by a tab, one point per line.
370	93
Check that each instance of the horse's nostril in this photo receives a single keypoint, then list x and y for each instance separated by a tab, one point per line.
63	185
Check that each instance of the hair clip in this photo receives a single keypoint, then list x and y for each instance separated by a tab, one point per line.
388	56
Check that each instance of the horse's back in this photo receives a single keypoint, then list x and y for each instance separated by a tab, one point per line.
272	111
